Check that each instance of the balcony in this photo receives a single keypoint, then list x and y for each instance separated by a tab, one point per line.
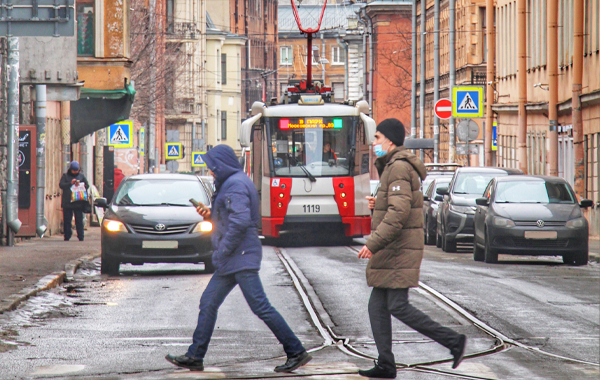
183	31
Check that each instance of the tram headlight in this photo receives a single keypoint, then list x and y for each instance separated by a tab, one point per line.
280	205
343	195
345	204
281	195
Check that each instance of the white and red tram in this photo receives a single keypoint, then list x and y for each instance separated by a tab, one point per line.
309	161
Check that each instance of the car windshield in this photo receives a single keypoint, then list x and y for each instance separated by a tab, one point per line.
473	183
533	192
320	145
157	192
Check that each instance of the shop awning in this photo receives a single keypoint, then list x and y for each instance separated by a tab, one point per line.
97	109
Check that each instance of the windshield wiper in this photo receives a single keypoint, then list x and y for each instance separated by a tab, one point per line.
167	204
304	169
460	192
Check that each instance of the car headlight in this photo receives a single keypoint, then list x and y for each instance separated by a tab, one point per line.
462	209
576	223
503	222
114	226
203	227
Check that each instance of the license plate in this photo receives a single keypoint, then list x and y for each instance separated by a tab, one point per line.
541	234
164	244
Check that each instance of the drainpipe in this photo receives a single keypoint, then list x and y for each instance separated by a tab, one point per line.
553	87
491	59
370	22
423	67
65	126
364	46
436	78
40	193
413	97
522	84
12	189
322	56
344	45
576	99
452	77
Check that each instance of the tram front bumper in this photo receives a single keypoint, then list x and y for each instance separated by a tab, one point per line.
351	226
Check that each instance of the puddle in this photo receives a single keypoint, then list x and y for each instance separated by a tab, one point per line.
61	369
36	310
87	270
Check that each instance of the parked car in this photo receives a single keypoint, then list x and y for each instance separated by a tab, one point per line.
209	183
431	201
151	220
532	215
436	171
455	214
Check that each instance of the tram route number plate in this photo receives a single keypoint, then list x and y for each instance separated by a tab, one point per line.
164	244
311	209
541	234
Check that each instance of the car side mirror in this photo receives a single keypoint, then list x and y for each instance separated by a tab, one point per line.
442	190
101	202
439	198
585	203
482	201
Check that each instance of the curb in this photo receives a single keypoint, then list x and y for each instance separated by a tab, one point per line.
45	283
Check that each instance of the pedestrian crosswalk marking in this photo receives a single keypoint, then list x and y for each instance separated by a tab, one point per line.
199	160
467	104
173	151
119	136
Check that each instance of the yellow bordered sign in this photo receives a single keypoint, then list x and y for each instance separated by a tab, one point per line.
467	101
120	135
173	151
197	160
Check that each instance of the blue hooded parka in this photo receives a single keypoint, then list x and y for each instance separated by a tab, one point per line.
235	214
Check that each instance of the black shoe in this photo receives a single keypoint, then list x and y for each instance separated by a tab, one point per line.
186	362
294	362
377	372
66	239
459	351
81	239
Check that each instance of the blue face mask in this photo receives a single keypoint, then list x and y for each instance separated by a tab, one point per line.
378	150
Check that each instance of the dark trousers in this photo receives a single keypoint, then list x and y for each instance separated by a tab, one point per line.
215	293
68	217
387	302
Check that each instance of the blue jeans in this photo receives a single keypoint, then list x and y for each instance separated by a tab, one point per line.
215	293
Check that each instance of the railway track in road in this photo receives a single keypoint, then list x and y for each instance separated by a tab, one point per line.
322	321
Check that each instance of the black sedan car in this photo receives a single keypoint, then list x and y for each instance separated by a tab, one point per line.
151	220
455	214
531	215
431	201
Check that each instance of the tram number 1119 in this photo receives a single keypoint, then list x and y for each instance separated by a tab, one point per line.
310	209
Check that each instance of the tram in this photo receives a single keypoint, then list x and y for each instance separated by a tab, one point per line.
309	161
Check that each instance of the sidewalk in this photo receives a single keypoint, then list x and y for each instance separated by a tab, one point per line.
594	249
23	265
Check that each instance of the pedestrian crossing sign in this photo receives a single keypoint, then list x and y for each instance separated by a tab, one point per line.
120	134
173	151
467	101
197	160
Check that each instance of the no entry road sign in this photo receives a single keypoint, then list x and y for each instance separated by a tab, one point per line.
443	109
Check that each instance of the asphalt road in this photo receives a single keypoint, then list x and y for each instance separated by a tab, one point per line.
122	327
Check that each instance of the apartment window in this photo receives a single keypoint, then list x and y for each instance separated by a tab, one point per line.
223	125
285	55
337	55
224	68
85	27
316	56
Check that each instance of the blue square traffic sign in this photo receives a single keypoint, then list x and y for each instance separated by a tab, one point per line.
197	160
173	151
467	101
120	134
495	136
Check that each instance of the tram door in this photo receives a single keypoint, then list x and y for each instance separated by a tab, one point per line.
27	180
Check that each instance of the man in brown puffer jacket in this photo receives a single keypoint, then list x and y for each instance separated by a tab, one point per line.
395	250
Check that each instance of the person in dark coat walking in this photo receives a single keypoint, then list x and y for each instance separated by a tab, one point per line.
72	177
237	256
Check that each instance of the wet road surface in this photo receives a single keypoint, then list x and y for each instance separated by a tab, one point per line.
122	327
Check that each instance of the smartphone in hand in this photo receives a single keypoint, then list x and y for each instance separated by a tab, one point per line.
198	204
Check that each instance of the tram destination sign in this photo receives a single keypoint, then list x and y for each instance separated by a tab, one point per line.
311	123
37	18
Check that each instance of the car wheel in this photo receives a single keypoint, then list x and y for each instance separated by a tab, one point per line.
490	255
108	265
478	252
447	246
438	238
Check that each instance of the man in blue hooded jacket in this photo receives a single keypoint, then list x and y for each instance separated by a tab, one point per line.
236	258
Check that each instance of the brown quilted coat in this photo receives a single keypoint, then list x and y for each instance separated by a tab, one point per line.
397	222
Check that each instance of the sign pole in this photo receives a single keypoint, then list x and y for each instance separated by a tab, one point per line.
12	188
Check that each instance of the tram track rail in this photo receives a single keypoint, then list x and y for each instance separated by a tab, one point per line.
322	321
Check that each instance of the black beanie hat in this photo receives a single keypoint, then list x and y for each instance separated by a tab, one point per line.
393	129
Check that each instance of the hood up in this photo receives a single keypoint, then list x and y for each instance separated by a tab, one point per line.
222	161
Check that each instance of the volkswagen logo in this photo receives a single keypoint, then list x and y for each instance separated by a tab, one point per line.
540	223
162	227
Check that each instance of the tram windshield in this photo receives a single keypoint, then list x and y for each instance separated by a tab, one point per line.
321	145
